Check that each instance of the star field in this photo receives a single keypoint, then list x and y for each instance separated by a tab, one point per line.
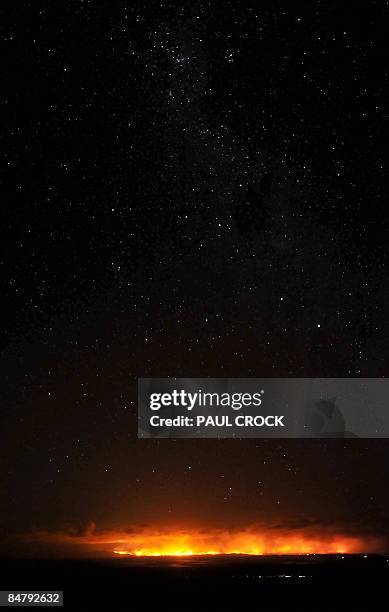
190	189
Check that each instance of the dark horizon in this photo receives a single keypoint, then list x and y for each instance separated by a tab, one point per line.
324	583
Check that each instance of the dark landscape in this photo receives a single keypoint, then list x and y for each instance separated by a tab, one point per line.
311	582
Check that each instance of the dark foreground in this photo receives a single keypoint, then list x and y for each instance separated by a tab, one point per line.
321	582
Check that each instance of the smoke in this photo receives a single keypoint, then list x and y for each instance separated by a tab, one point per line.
293	538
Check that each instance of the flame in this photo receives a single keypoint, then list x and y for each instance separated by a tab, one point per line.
219	542
157	542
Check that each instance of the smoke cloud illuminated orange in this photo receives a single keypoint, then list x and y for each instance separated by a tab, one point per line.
158	542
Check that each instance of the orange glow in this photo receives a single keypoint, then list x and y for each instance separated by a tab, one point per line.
156	542
219	542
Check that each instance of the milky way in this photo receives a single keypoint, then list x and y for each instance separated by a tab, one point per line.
192	189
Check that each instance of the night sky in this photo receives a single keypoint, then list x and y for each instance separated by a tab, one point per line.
189	189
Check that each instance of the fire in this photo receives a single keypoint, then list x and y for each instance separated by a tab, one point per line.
220	542
159	542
